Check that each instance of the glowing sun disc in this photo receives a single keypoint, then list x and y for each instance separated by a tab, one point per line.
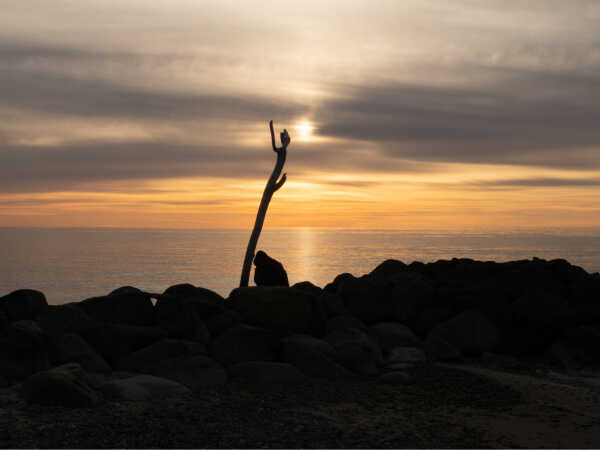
304	130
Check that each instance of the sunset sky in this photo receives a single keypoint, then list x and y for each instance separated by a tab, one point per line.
402	114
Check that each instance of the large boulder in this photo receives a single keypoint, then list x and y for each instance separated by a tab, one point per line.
405	355
71	347
56	320
266	373
129	308
356	350
180	318
113	342
24	304
308	287
245	343
284	310
66	385
206	302
27	346
438	349
392	334
143	388
269	271
585	342
343	323
218	323
388	269
158	351
313	357
470	332
195	372
411	291
333	304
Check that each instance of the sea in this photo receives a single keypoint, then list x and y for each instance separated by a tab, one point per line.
71	264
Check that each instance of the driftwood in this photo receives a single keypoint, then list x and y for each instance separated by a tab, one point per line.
272	186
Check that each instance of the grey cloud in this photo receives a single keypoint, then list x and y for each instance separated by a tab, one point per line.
519	120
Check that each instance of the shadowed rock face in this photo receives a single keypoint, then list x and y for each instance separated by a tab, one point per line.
392	319
268	271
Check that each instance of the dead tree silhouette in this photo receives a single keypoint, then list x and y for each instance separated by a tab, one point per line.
273	184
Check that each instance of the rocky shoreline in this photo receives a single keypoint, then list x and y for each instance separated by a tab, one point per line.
189	368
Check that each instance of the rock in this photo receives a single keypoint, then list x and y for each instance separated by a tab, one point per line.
429	317
126	290
71	347
113	342
343	323
61	319
268	271
180	319
396	378
27	346
313	357
143	388
406	355
132	308
560	353
218	323
500	362
4	322
24	304
284	310
205	302
245	343
391	334
410	292
584	342
13	369
195	372
266	373
470	332
356	350
309	288
65	385
388	269
158	351
333	304
438	349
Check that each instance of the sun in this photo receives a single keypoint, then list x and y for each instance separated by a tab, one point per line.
304	130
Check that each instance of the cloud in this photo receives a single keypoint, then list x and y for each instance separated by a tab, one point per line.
527	117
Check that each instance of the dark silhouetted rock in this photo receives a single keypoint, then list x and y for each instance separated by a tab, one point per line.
388	269
500	362
438	349
430	317
392	334
65	385
308	287
268	271
313	357
266	373
406	355
24	304
470	332
131	308
397	377
27	346
333	304
143	387
71	347
343	323
285	310
356	350
126	290
220	322
60	319
561	354
411	291
195	372
113	342
584	342
180	319
158	351
205	302
245	343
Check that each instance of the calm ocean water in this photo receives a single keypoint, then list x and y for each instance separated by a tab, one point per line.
73	264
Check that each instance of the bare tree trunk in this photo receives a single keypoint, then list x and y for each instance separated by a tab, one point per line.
272	185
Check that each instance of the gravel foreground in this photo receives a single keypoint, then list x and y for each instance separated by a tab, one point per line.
444	407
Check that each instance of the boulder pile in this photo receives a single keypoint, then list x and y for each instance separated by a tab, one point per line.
132	344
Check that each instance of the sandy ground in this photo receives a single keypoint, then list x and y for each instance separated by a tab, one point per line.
446	406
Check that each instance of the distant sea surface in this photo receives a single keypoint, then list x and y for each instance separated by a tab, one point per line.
73	264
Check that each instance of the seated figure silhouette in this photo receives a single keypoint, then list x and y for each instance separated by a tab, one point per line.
268	271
